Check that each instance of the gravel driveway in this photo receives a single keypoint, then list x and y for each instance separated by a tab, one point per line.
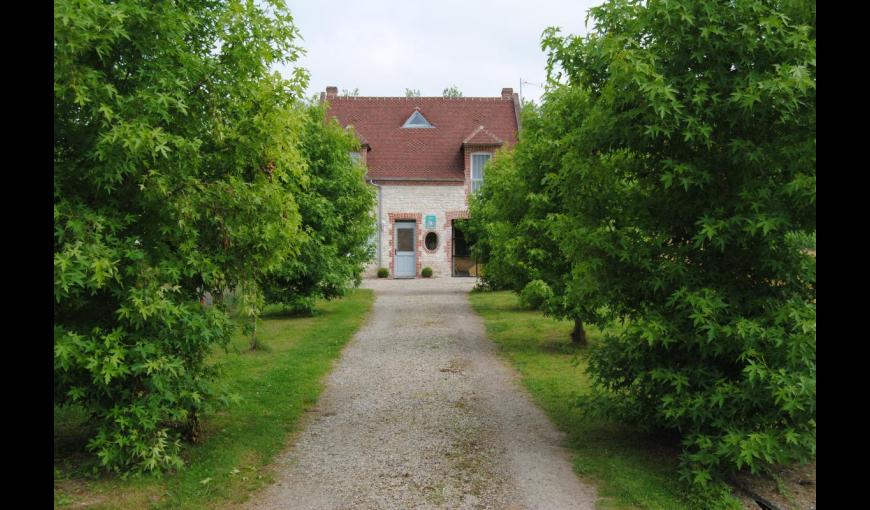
420	412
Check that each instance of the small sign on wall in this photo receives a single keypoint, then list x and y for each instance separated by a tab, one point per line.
430	221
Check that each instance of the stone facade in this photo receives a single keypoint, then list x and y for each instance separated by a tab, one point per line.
415	202
424	169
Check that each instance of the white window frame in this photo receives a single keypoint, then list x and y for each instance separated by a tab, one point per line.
471	163
408	125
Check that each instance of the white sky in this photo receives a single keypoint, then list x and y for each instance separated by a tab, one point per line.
383	47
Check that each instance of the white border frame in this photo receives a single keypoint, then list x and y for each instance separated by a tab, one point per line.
417	112
471	168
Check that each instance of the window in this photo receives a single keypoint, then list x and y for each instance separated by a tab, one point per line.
478	162
417	120
405	241
431	241
357	157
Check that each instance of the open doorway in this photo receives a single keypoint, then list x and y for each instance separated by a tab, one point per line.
463	263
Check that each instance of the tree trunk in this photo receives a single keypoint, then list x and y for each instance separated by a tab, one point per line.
194	429
578	336
254	336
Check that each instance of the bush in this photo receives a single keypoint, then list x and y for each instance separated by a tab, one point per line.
535	294
383	272
426	272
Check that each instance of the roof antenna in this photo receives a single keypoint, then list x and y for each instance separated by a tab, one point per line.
522	81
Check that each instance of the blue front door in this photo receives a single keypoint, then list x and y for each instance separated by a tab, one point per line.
406	253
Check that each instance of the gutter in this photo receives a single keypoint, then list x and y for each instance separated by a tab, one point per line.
416	179
380	219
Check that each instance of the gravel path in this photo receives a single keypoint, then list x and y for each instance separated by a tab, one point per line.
421	413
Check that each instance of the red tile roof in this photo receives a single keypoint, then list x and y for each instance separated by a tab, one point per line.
482	136
425	153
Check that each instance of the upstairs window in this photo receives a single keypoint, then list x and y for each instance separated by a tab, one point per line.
417	120
356	156
478	162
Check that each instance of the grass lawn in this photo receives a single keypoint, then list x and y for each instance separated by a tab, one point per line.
630	469
276	384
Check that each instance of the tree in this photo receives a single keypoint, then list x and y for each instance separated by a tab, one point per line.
175	164
412	92
336	206
452	91
692	193
672	171
511	217
350	93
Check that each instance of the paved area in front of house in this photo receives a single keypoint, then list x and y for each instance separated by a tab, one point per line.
421	413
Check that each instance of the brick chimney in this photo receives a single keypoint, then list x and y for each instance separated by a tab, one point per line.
507	93
331	91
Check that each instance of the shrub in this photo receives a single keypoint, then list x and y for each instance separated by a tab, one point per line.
383	272
535	294
426	272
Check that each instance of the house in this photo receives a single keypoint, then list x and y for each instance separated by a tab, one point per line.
425	156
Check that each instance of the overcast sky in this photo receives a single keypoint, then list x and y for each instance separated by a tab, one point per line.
383	47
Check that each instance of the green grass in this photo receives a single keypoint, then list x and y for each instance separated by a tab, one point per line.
629	468
277	384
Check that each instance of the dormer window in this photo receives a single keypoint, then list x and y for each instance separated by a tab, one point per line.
478	162
417	120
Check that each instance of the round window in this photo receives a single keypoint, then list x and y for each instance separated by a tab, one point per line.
431	241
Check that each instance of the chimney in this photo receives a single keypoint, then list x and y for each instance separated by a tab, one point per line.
507	93
331	91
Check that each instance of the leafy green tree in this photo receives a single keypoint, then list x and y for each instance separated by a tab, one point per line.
671	175
175	160
452	91
689	192
336	207
511	216
350	93
494	227
412	92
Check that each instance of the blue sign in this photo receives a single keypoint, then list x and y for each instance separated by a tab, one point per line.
430	221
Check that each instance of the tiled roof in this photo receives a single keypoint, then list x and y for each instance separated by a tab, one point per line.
481	136
362	140
436	153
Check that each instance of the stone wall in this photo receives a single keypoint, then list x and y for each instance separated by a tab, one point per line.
415	202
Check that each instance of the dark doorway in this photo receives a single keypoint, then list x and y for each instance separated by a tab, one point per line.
463	263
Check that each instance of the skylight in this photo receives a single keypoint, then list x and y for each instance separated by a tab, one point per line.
417	120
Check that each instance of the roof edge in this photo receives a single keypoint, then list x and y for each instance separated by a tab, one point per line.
440	98
495	140
438	179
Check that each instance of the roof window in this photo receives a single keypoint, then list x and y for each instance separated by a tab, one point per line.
417	120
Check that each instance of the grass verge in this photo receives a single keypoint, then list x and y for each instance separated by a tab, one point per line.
277	384
631	469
